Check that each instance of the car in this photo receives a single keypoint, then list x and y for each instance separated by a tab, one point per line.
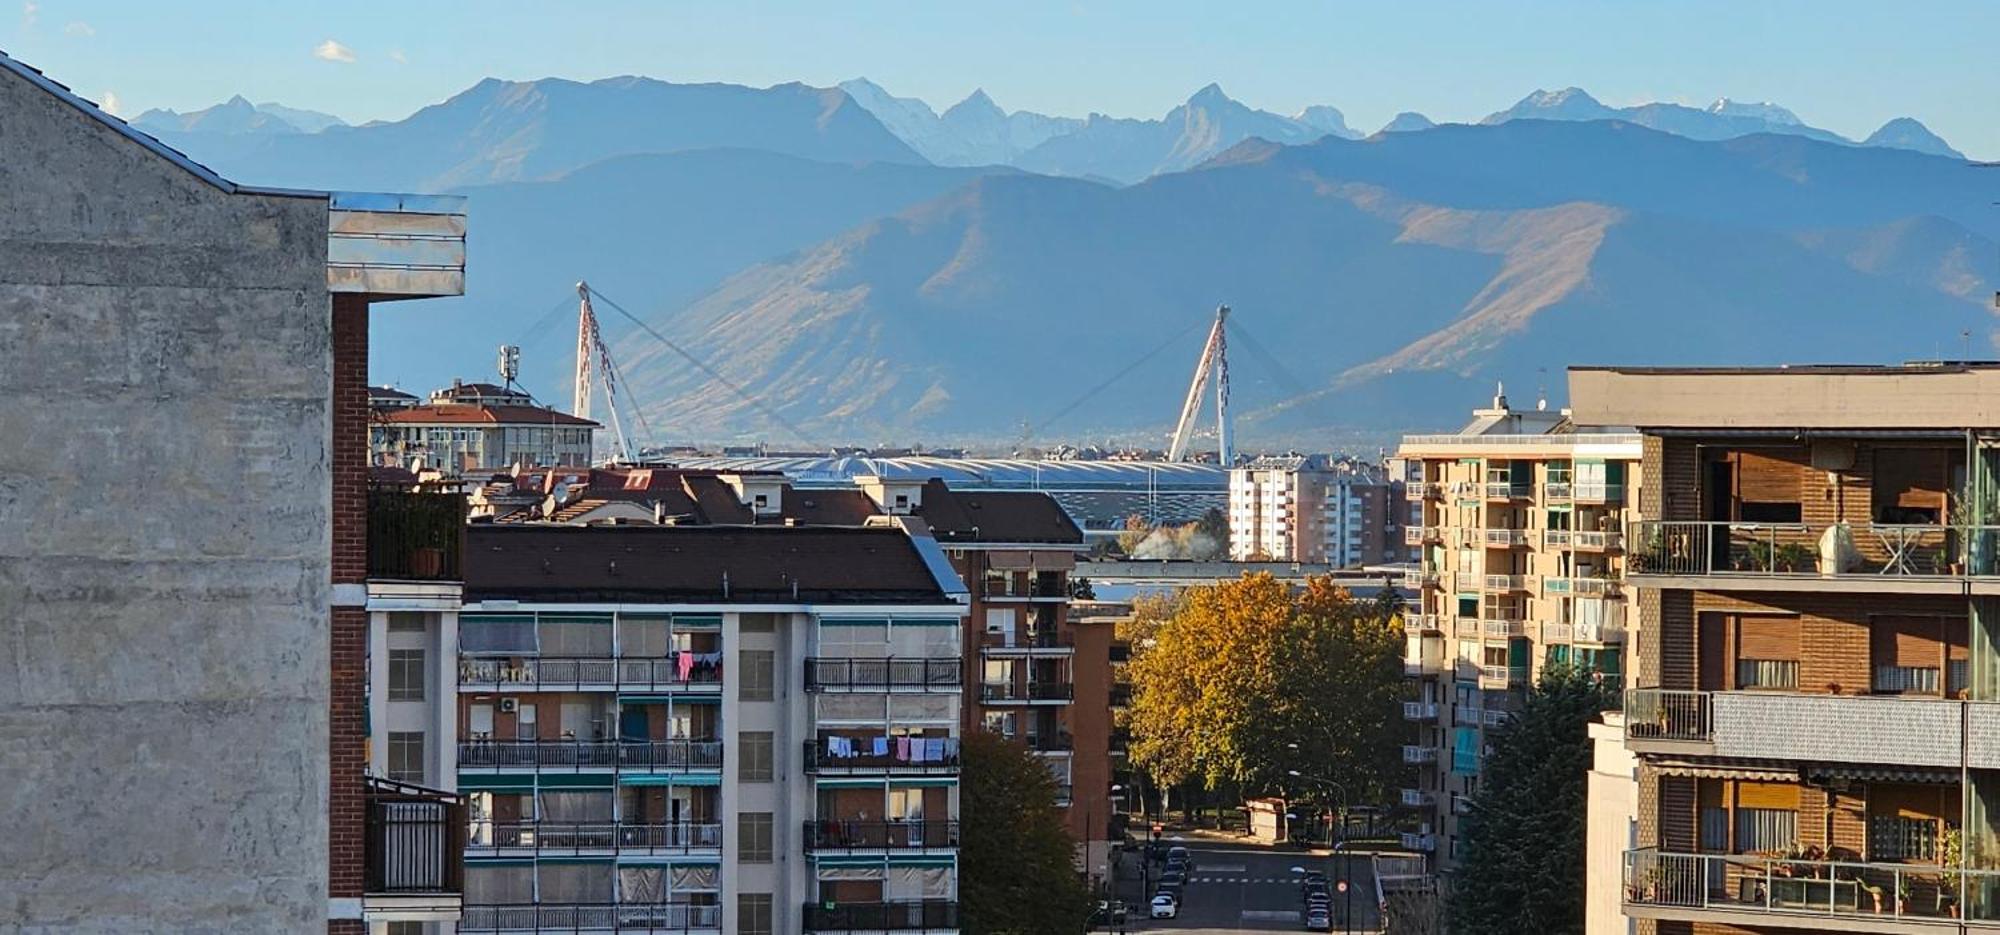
1172	880
1319	920
1318	901
1179	850
1165	906
1177	866
1316	892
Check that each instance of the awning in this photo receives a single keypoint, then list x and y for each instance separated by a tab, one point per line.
574	780
476	782
654	779
1819	775
853	783
941	781
1754	770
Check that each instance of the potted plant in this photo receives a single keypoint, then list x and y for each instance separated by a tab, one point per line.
1951	854
1793	556
1756	557
1902	894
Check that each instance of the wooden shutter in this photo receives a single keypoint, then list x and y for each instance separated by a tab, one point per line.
1775	638
1906	641
1777	795
1768	478
1911	478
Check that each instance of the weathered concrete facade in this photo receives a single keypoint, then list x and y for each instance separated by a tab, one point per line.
165	354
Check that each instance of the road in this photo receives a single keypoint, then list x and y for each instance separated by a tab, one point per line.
1247	888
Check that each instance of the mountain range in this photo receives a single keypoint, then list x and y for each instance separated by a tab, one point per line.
234	116
955	276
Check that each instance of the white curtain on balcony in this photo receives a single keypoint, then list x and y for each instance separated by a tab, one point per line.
575	883
642	884
923	709
919	883
837	874
872	709
642	636
578	806
687	877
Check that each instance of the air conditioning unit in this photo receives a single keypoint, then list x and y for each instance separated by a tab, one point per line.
509	705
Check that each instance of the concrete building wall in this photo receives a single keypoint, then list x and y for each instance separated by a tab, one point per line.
163	613
1612	826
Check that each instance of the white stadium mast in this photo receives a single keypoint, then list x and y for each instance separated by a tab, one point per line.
1214	364
591	357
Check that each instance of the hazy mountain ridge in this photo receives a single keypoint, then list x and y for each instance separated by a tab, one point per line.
1724	119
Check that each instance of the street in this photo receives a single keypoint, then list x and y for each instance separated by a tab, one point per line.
1240	887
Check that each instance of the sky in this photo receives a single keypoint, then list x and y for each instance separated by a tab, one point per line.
1843	65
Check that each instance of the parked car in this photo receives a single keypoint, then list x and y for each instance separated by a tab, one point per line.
1108	912
1173	880
1319	920
1179	850
1165	906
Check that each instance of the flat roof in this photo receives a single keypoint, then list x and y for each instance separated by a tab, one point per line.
1951	396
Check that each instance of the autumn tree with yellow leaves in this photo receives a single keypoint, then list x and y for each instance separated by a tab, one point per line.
1251	679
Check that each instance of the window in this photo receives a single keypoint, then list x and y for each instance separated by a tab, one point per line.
1892	837
1765	829
406	756
755	674
754	747
753	913
1767	673
753	837
406	928
406	675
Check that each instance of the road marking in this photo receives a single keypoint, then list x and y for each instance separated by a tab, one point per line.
1226	868
1270	915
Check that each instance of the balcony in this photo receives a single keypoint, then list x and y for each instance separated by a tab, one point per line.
1044	587
1558	633
1422	711
1508	491
701	672
1421	842
1864	557
1419	578
1505	582
1808	895
654	918
1506	538
1556	538
1429	665
911	916
1051	741
1041	642
1598	541
527	838
1416	798
842	673
839	836
1778	725
415	536
1031	693
1501	628
1496	717
581	755
1422	623
863	755
1418	490
1466	715
1557	491
1502	677
413	852
1597	492
1461	805
1466	627
1603	633
1417	755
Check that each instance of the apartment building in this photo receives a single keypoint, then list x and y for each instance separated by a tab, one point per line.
474	425
161	312
1813	716
1313	508
744	729
1521	518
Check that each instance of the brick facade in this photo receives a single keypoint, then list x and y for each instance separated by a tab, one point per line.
349	458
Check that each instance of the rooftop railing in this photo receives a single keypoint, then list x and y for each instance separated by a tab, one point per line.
1857	550
1782	886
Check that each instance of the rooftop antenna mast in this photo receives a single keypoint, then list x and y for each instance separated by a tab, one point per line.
1214	364
510	364
593	361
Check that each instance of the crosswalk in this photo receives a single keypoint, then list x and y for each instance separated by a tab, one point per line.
1242	880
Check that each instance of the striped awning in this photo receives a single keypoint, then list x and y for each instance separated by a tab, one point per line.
1819	775
1754	770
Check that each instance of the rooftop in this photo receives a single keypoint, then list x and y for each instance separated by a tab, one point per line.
697	565
475	414
1935	396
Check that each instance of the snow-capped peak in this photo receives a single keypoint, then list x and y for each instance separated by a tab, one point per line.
1762	110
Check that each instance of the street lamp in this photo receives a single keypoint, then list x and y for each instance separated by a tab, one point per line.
1346	856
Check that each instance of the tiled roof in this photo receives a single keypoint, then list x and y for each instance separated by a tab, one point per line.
995	516
696	564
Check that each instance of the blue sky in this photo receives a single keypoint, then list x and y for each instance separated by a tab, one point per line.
1847	66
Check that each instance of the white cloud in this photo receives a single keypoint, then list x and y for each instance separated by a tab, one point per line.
331	51
397	56
31	13
80	29
108	102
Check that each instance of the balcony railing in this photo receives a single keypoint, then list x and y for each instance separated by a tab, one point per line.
1420	711
1422	623
1668	714
862	754
1050	742
1500	628
1420	842
1505	582
1429	664
659	918
1597	492
1044	638
1501	676
413	840
1554	633
1556	538
1416	798
1005	692
1506	538
1496	717
1556	489
1598	541
1851	550
1419	577
569	837
835	673
1417	490
1416	754
1606	632
1465	714
548	755
1808	890
1508	491
913	915
838	835
488	673
415	536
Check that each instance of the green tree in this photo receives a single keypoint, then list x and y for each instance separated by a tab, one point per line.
1524	840
1017	872
1248	681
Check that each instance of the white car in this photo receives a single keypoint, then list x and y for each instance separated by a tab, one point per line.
1164	907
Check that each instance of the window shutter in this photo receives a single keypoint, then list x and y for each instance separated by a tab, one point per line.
1769	478
1767	638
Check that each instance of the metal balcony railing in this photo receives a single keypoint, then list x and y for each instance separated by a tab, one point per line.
569	837
1556	538
548	755
834	673
1505	582
1860	550
1599	541
1808	889
1598	492
1420	842
841	835
992	692
1416	754
1557	489
1049	637
1508	491
1558	633
660	918
893	755
415	536
701	670
1422	623
1416	798
1668	714
1420	710
1050	742
413	840
903	916
1506	538
1500	628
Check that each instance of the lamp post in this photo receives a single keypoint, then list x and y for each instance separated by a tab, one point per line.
1346	857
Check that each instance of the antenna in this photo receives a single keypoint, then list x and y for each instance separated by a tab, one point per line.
510	363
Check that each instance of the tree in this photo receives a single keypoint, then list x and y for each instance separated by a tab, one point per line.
1524	840
1135	532
1215	528
1249	681
1415	912
1017	871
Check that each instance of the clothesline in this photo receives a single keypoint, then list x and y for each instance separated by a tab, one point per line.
904	749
